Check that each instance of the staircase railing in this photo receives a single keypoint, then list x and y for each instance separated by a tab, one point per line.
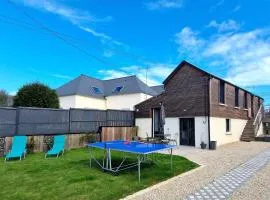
258	120
267	110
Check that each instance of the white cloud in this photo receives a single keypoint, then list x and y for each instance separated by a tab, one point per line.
110	74
156	72
229	25
13	93
96	34
245	54
188	41
218	4
61	76
164	4
80	18
236	8
73	15
108	53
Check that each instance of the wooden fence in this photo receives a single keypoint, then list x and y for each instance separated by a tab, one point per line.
118	133
78	140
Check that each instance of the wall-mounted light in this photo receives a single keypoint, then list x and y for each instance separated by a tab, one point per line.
184	110
137	110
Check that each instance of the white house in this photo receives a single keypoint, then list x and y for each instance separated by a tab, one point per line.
120	93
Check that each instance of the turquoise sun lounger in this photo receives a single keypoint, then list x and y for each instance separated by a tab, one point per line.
58	146
18	149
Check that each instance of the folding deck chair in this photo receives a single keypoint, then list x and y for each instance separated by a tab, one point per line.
58	146
18	149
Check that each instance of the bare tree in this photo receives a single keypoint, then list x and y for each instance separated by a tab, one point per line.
3	98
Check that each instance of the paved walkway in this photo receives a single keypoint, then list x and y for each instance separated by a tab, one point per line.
224	186
216	164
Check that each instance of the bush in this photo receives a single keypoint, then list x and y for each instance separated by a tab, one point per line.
88	138
36	95
31	145
48	142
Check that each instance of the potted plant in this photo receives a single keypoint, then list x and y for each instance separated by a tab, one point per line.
203	145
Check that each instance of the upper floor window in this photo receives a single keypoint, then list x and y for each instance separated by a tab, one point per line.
96	90
259	102
118	89
222	92
236	99
245	100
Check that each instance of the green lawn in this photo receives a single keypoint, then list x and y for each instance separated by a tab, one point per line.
69	177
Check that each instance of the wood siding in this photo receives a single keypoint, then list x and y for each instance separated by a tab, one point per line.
186	94
144	109
228	110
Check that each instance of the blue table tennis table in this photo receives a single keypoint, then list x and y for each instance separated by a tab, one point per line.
140	149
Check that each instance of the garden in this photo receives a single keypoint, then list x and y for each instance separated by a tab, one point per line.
70	177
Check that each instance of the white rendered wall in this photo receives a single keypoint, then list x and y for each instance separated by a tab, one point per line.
118	102
172	127
201	131
77	101
91	103
218	130
125	101
67	102
144	127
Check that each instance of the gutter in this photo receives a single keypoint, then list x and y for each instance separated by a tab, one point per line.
209	104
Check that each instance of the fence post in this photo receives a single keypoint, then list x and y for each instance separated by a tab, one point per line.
17	120
107	111
134	119
2	146
69	120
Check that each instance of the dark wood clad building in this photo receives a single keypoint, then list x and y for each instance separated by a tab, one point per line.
198	106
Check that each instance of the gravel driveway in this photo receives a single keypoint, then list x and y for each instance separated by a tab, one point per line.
215	164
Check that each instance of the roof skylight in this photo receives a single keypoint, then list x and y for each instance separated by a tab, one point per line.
97	90
118	89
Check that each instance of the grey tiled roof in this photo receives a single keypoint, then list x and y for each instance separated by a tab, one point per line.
83	85
159	88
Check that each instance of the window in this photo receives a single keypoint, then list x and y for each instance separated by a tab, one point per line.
118	89
228	125
222	92
259	103
245	100
236	98
96	90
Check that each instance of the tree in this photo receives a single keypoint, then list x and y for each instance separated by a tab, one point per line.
36	95
3	98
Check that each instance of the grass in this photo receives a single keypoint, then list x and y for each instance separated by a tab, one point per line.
69	177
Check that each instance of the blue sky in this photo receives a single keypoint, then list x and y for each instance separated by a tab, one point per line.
53	41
